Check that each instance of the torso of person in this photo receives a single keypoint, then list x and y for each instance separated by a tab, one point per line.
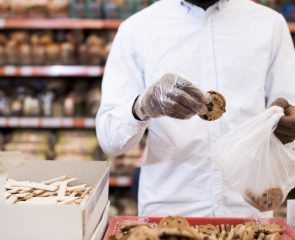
226	48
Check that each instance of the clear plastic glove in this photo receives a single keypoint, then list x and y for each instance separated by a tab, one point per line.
285	130
171	96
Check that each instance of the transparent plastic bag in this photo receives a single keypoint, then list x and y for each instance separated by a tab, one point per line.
255	163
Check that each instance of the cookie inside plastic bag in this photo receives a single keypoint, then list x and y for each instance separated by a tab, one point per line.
255	163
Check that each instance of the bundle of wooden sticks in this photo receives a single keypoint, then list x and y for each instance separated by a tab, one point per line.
52	191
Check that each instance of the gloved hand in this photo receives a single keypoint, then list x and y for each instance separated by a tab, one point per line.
171	96
285	130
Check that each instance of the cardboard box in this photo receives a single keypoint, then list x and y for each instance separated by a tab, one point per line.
58	222
102	226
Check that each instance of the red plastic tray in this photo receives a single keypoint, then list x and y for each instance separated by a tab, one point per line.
116	222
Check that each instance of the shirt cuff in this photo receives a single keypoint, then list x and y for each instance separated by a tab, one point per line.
126	115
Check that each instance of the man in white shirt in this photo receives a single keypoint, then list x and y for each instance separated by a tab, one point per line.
236	47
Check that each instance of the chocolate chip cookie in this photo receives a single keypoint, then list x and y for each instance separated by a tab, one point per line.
269	200
173	222
216	107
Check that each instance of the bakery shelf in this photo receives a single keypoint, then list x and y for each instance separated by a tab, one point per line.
59	24
69	24
120	181
52	71
46	122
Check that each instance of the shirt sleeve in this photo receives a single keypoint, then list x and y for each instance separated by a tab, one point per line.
116	128
280	80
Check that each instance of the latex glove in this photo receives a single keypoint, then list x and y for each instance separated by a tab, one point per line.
285	130
171	96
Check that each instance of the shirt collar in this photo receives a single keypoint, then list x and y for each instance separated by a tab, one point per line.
220	4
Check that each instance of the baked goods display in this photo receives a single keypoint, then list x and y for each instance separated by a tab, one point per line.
71	8
216	106
124	165
67	145
34	8
178	228
53	48
269	200
123	8
63	145
99	8
52	191
75	145
34	145
54	98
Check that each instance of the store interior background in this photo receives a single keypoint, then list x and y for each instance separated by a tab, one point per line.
52	56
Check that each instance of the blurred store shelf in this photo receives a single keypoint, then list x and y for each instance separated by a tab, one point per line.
69	24
46	122
292	27
120	181
52	71
59	24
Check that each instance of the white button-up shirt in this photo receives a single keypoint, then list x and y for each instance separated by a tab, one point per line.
236	47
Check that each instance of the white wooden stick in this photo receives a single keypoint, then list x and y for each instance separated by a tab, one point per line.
26	190
14	190
57	179
73	194
19	189
79	200
22	195
11	200
62	190
27	184
7	195
29	196
70	180
38	192
86	192
47	194
68	200
77	188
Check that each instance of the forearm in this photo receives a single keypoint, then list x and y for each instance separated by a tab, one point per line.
117	129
